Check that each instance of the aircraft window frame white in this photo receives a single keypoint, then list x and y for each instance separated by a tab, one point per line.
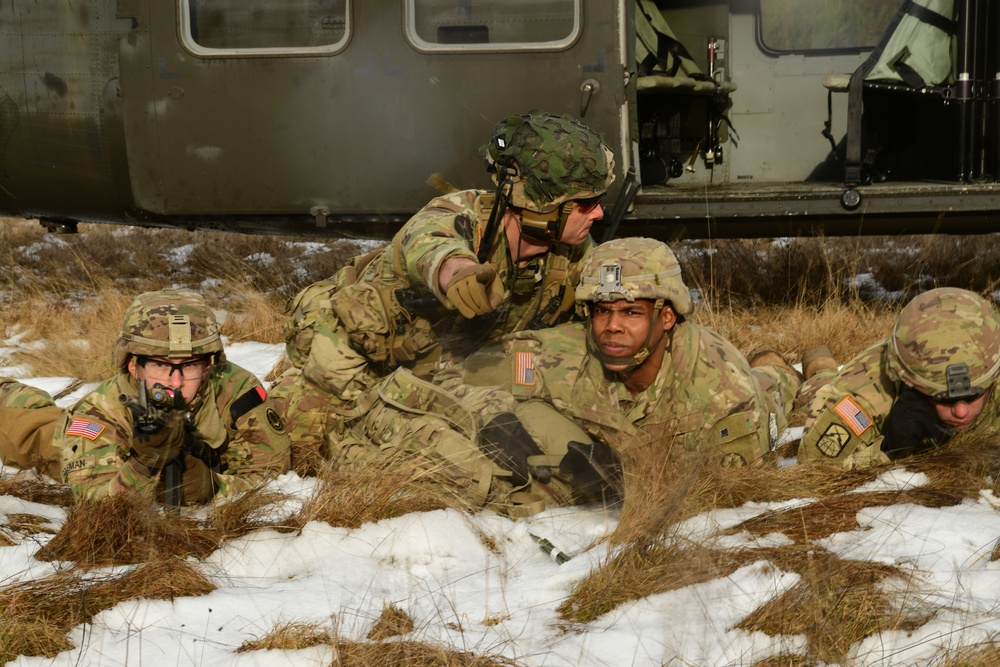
424	46
189	43
830	47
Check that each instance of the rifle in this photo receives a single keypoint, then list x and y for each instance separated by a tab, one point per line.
151	411
628	192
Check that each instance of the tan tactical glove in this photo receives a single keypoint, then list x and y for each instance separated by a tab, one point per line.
475	290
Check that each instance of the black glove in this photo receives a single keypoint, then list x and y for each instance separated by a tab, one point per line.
159	426
595	469
508	444
155	450
912	426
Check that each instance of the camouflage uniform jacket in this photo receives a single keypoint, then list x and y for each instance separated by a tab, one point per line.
703	396
848	414
389	311
97	434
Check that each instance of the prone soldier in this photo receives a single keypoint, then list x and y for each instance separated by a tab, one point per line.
913	391
552	411
177	419
216	433
468	267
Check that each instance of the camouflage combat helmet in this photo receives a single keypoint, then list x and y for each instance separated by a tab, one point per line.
946	345
168	323
630	269
551	161
625	270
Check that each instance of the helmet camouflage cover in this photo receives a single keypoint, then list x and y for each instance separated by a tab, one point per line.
630	269
551	160
946	344
168	323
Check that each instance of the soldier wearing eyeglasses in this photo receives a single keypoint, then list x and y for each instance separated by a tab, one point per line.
469	267
178	420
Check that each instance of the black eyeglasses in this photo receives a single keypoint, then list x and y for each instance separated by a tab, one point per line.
589	204
157	369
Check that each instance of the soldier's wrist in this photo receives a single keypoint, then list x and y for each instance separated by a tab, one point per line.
142	463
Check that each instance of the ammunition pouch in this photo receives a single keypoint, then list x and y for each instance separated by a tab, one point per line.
303	309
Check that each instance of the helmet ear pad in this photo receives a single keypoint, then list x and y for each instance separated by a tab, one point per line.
548	226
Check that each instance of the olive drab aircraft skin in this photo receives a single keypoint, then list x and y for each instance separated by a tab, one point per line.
326	117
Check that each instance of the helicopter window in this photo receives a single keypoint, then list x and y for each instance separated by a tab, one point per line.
433	25
213	27
823	25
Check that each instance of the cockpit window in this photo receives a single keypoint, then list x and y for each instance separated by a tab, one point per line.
491	25
823	25
226	27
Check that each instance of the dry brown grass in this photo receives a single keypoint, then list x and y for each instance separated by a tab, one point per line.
123	529
392	485
130	528
289	636
67	294
392	622
37	491
786	660
297	635
983	654
642	569
246	513
255	317
411	654
747	273
835	604
847	327
35	615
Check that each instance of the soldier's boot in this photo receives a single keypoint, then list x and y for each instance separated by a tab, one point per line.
817	359
766	356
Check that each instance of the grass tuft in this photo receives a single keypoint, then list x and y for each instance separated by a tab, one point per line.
391	485
35	615
123	529
835	604
392	622
289	636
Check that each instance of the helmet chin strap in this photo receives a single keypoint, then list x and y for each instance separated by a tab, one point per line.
634	361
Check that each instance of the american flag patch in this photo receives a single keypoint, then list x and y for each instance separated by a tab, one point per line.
853	415
524	368
85	428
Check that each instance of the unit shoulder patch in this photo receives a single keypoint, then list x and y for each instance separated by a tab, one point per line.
833	441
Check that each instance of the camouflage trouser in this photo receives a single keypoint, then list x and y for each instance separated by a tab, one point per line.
311	418
780	386
807	392
417	418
